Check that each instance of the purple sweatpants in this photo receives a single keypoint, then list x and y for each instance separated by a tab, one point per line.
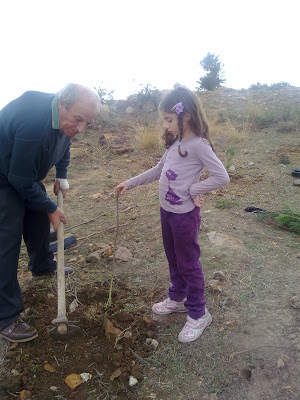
180	238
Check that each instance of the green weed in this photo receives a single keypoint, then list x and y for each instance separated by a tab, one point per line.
225	204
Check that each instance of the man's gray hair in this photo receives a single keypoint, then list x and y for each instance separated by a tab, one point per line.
73	91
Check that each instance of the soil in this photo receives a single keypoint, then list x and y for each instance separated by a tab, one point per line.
252	349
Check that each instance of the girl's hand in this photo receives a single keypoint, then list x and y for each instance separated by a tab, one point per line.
199	202
121	188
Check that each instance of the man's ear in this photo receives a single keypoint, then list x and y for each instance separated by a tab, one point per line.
60	105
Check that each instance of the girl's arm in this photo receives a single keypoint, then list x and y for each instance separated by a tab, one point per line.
151	175
218	174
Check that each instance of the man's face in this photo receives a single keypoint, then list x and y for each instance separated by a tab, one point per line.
77	117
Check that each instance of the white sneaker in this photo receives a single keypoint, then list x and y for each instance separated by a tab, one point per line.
194	328
169	306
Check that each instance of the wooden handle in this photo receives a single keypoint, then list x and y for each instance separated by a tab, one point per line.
61	294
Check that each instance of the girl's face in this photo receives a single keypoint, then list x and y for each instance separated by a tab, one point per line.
170	123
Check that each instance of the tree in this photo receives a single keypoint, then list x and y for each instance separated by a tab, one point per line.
213	66
106	97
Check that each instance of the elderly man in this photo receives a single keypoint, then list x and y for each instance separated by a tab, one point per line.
35	134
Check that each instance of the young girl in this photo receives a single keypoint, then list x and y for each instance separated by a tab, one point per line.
188	151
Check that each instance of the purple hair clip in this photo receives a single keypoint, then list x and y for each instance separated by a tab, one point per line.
178	108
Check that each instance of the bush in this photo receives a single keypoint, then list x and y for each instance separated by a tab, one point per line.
273	86
286	219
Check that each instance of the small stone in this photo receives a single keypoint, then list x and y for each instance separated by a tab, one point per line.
219	276
25	395
295	301
132	381
53	388
73	306
280	363
214	286
123	254
152	343
296	182
115	375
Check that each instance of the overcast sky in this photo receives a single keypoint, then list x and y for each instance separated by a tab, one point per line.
123	44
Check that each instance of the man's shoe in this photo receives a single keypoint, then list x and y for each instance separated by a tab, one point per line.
53	272
19	332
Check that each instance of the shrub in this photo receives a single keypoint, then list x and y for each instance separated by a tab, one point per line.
286	219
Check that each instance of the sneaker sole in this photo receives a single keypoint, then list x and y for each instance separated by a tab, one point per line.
168	312
188	341
20	340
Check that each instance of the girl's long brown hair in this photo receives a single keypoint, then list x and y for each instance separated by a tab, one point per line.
192	105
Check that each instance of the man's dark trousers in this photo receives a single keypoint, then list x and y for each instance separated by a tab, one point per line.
16	219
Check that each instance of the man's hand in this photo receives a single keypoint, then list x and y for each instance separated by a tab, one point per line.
57	187
57	216
121	188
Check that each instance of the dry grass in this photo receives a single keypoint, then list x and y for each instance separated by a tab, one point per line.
149	137
236	134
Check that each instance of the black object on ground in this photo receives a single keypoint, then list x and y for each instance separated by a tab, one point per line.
256	210
69	241
296	173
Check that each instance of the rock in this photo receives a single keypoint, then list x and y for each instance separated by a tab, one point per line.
115	375
220	239
137	371
219	276
280	363
152	343
53	388
95	196
112	334
73	380
231	168
25	395
214	286
73	306
93	258
132	381
295	301
85	376
123	254
296	182
204	227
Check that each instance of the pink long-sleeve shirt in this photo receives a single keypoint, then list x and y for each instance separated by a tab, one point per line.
179	176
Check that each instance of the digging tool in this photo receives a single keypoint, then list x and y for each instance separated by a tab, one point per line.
63	329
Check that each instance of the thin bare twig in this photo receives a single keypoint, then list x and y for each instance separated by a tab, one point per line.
86	222
98	233
114	252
